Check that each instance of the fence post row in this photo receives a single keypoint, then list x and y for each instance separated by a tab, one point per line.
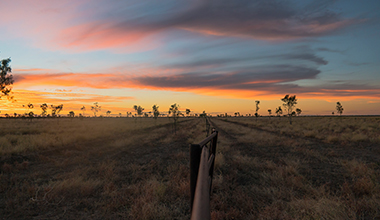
202	157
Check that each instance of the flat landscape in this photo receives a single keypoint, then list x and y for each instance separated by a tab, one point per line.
138	168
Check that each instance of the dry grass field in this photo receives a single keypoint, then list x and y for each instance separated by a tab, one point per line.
125	168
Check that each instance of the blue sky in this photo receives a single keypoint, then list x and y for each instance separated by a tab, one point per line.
218	56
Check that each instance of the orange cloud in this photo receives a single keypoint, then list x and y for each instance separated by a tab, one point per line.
228	85
72	100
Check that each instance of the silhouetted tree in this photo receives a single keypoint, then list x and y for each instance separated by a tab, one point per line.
188	112
129	113
279	111
269	112
28	107
55	109
289	104
298	111
108	113
6	79
339	108
96	108
44	108
83	109
257	109
175	112
156	113
138	109
71	114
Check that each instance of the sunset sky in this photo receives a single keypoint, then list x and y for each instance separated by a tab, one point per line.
213	55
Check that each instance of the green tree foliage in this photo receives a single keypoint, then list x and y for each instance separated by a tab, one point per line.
6	79
96	108
289	104
139	110
339	108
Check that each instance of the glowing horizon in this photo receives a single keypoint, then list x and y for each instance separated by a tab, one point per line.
214	57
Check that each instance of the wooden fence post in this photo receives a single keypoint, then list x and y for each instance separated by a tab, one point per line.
195	158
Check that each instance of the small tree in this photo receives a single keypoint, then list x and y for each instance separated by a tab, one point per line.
108	113
156	113
96	108
279	111
55	109
6	79
339	108
298	111
83	109
71	114
28	107
188	112
289	104
139	110
270	112
174	111
44	108
257	109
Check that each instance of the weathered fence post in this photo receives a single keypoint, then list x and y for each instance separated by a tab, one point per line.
195	158
202	158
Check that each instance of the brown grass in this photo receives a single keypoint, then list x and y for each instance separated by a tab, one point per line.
119	168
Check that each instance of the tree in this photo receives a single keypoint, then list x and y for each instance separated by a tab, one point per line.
138	109
6	79
71	114
175	112
269	112
108	113
44	108
289	104
96	108
28	107
55	109
279	111
83	109
188	112
257	109
298	111
129	113
339	108
156	113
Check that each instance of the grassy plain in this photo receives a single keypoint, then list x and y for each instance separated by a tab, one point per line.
125	168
